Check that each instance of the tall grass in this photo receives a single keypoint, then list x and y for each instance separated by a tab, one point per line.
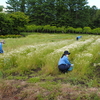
84	60
39	54
51	60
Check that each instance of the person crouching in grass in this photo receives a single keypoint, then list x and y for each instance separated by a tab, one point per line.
64	64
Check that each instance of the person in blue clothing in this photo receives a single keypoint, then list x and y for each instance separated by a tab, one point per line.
78	37
64	64
1	43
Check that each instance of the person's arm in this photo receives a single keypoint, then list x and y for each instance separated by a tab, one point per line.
70	63
67	61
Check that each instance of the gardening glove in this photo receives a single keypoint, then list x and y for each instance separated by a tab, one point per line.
72	65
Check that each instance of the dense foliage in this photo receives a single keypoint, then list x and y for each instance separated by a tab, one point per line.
12	23
54	29
73	13
51	16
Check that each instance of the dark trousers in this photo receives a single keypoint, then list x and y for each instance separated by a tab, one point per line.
63	68
77	38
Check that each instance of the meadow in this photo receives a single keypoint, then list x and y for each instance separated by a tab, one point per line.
29	67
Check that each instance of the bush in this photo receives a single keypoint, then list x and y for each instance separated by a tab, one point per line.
54	29
46	28
86	30
78	30
70	30
96	31
10	36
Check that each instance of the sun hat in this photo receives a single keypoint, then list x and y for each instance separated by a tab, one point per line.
66	52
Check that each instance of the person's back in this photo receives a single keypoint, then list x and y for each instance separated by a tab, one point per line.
1	51
78	37
64	60
64	64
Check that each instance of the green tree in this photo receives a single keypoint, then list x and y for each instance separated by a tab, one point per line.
41	12
73	13
93	11
13	5
22	5
19	21
1	8
5	24
12	23
62	16
49	11
97	19
16	5
77	10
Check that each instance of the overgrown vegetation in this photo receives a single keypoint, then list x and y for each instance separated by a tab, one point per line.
28	67
73	13
31	64
15	23
12	23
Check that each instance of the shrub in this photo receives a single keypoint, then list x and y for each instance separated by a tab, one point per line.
46	28
78	30
86	30
96	31
70	30
10	36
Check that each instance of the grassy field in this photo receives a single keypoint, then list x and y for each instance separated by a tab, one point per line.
28	68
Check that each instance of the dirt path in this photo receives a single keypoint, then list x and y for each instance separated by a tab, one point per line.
21	90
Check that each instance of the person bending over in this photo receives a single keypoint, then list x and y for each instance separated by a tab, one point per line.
78	37
1	43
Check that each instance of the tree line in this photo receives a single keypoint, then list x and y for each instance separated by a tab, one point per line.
17	22
73	13
55	16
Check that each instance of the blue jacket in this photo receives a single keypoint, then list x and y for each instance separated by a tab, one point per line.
64	60
79	37
1	50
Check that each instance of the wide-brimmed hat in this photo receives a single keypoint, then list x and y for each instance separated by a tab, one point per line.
66	52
